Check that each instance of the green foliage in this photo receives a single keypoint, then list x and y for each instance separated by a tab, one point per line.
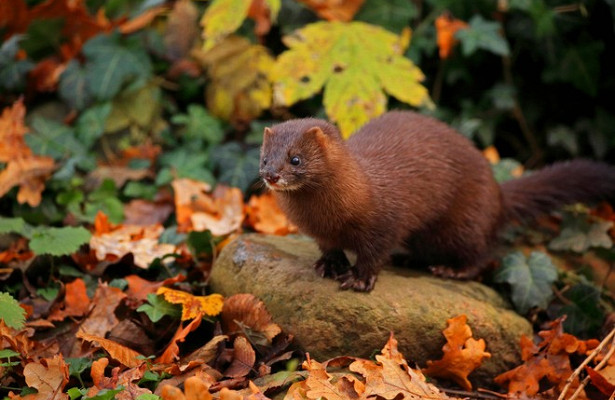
13	72
10	312
530	279
583	313
105	394
580	233
157	307
483	34
236	167
7	355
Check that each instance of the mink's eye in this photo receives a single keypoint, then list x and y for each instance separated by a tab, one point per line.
265	161
295	161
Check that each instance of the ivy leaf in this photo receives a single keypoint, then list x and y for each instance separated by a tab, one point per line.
579	65
106	394
236	167
393	15
13	72
356	63
579	233
565	137
483	34
58	241
157	307
134	108
182	163
91	124
111	65
53	139
506	169
73	88
583	312
200	125
530	279
10	312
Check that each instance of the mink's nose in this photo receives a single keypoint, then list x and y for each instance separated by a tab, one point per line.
270	176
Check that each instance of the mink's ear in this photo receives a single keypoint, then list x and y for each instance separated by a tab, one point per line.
318	136
268	131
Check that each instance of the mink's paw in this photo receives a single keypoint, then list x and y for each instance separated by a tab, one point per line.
359	284
332	264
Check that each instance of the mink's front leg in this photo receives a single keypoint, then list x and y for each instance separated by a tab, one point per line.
362	277
332	264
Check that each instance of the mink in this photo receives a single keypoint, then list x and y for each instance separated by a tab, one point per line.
407	180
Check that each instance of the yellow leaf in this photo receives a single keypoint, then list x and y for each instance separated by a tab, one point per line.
238	70
224	17
356	63
192	306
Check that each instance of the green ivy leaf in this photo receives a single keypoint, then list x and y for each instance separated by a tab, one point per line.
53	139
48	293
182	163
157	307
105	394
10	312
113	64
393	15
58	241
236	167
200	126
579	65
91	124
503	170
13	72
73	88
584	315
483	34
579	233
565	137
530	279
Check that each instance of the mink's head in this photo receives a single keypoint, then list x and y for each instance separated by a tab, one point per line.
295	154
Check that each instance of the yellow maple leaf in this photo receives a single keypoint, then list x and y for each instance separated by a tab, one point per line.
224	17
239	89
192	305
356	63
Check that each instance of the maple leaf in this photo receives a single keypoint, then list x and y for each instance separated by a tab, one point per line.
356	63
193	306
265	216
462	353
446	28
335	10
23	169
224	17
238	70
122	354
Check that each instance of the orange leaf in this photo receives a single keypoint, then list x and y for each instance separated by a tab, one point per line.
607	388
13	17
97	372
16	340
76	301
446	27
17	251
139	288
335	10
462	354
261	14
142	20
102	318
247	310
122	354
265	216
142	212
193	306
49	376
171	353
243	359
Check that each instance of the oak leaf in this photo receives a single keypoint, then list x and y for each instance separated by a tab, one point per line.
335	10
356	63
239	89
48	377
23	169
224	17
462	353
265	216
118	352
222	212
76	302
446	28
193	306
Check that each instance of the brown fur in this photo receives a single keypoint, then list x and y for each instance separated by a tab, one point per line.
402	179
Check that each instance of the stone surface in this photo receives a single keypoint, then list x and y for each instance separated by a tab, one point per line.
328	322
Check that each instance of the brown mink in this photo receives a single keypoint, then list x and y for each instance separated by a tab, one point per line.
405	179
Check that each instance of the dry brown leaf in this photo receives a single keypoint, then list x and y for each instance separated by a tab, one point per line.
547	361
247	310
17	251
142	20
206	353
171	353
221	212
243	359
16	340
462	354
143	212
265	216
182	30
125	379
118	174
48	376
76	302
102	318
139	288
122	354
335	10
193	306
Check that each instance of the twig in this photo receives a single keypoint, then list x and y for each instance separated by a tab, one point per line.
593	354
474	395
602	363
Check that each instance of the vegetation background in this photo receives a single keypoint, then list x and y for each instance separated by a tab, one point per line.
127	113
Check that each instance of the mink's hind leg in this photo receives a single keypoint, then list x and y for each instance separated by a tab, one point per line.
332	264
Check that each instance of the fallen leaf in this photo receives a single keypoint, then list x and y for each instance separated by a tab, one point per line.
356	63
243	359
446	28
17	251
221	212
182	30
265	216
239	88
603	384
143	212
118	174
142	20
76	302
139	288
335	10
48	377
16	340
193	306
102	318
171	353
245	310
462	354
122	354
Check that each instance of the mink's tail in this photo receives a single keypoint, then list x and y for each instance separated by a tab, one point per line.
557	185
